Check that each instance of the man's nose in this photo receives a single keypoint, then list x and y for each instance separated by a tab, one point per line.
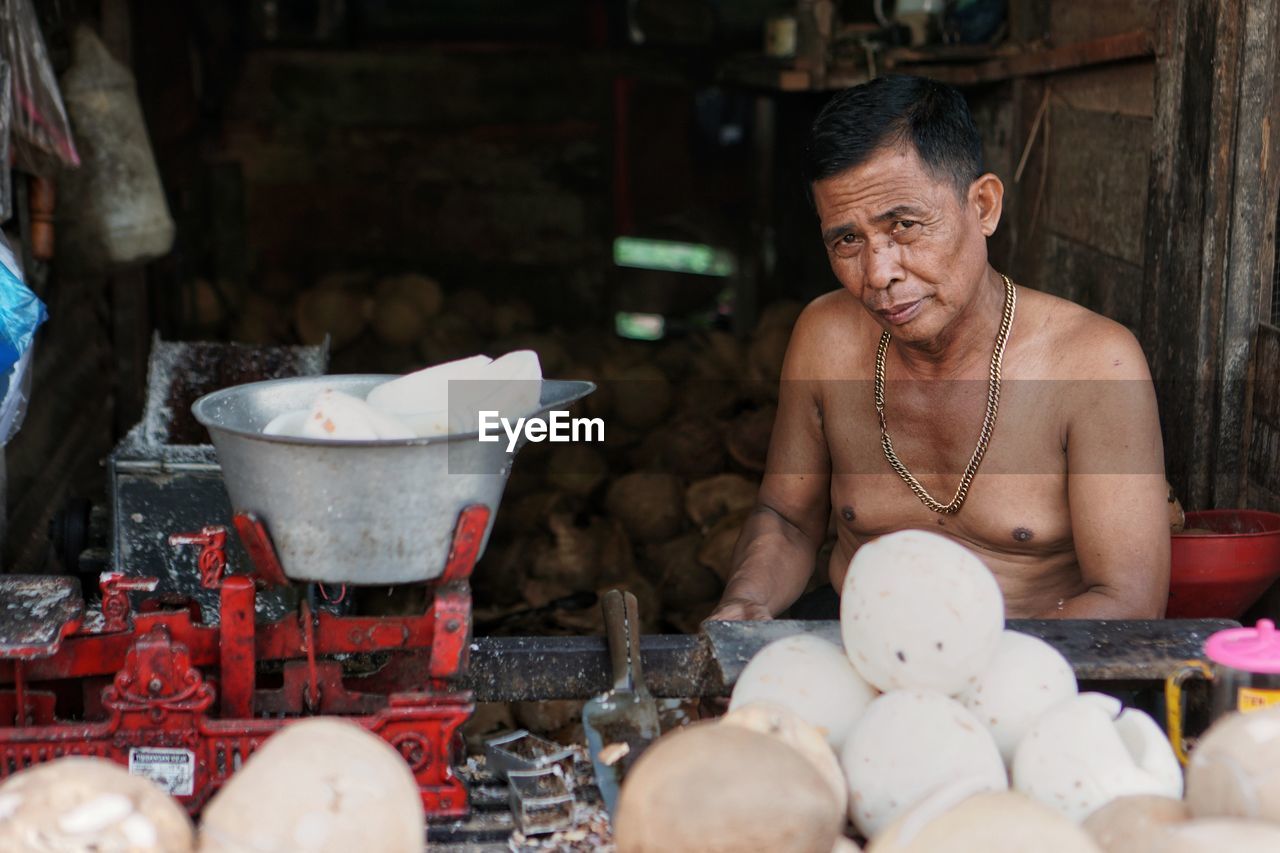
883	264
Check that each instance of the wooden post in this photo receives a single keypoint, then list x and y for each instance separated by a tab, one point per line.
1189	207
1251	248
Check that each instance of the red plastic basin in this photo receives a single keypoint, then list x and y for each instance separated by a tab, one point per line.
1222	573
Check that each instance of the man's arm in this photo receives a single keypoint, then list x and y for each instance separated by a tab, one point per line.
1116	488
773	559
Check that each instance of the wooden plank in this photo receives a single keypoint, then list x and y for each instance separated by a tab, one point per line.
1026	245
1076	20
1097	187
1033	63
1127	88
1250	253
1029	20
1263	449
1188	207
505	669
1139	650
1098	281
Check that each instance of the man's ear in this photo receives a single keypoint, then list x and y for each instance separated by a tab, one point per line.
986	196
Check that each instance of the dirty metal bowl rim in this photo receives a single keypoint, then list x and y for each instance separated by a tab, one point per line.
556	393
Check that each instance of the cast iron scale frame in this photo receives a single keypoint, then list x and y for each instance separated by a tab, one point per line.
160	682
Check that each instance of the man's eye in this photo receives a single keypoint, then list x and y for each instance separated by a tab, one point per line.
849	240
904	224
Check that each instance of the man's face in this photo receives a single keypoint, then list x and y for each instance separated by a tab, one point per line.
908	245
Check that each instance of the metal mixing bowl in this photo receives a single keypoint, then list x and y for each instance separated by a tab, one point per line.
355	512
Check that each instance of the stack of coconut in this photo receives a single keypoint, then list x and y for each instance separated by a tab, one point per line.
322	785
657	507
934	729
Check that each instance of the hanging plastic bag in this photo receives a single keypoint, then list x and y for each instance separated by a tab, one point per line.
112	210
42	138
21	313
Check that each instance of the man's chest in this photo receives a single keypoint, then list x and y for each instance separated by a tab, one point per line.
1017	501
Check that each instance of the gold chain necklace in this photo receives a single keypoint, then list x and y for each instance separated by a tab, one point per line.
988	420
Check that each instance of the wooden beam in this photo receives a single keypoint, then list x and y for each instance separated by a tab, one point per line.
1034	63
1251	245
1188	210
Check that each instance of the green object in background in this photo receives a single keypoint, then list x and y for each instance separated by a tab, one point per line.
639	327
672	256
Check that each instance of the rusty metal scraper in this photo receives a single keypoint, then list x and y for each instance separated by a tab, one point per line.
621	722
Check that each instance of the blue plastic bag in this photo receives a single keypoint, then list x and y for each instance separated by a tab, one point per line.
21	313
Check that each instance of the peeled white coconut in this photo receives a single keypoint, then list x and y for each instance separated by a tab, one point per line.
1216	835
955	819
711	788
288	424
341	417
782	723
421	399
320	785
510	387
811	677
919	611
1235	768
1025	678
88	805
1133	824
517	385
1089	750
909	744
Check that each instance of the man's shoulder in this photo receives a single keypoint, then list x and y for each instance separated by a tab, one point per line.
831	336
1082	344
834	306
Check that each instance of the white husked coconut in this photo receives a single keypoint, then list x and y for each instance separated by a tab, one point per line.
909	744
321	785
510	387
712	788
811	677
1134	824
1089	750
421	399
288	424
1025	678
918	610
1235	768
518	383
87	805
772	719
955	819
341	417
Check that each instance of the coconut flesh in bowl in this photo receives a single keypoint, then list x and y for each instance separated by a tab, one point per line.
440	400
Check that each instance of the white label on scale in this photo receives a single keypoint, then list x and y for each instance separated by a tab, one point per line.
171	769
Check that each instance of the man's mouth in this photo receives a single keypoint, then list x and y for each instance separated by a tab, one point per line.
901	313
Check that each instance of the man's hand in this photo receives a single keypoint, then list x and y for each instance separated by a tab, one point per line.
739	610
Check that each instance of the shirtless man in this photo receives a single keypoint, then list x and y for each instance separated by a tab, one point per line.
1068	507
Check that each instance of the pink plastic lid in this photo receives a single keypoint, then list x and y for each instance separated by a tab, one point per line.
1247	649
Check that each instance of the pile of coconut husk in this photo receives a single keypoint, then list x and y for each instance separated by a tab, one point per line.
658	506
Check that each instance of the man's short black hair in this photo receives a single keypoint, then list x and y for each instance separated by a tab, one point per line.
892	110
